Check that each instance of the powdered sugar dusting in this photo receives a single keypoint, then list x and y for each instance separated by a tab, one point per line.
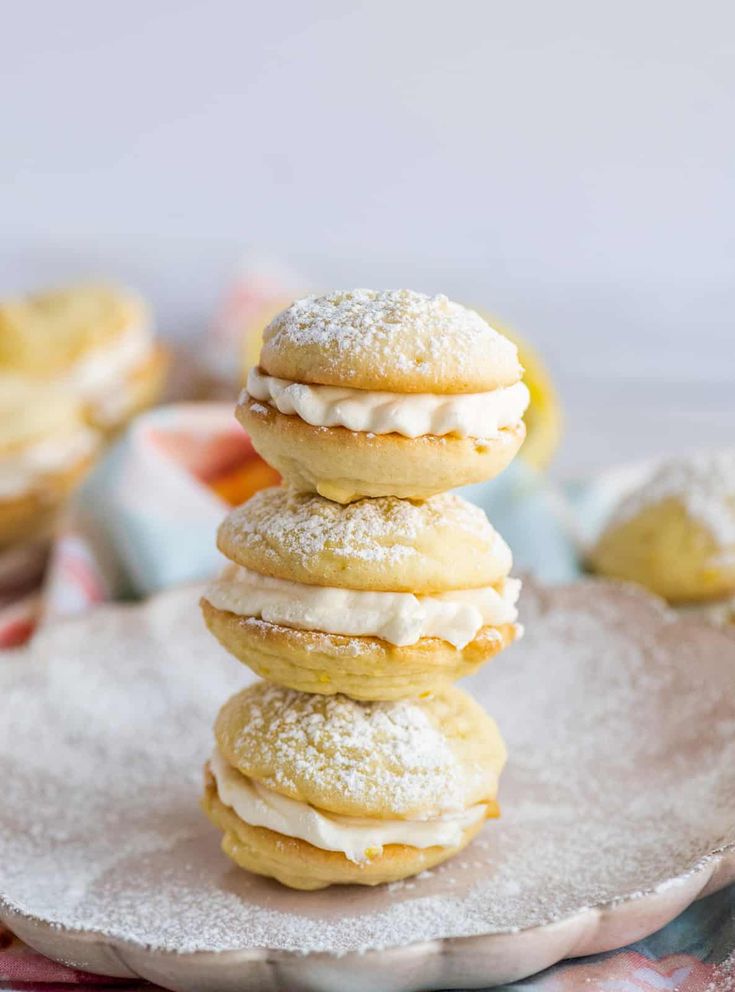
302	526
704	483
390	755
363	329
620	723
723	978
363	318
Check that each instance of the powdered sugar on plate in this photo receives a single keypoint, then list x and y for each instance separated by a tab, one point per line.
620	723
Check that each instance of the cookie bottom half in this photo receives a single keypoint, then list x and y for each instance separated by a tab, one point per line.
344	465
364	668
300	865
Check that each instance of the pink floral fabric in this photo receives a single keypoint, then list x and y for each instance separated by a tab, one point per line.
631	972
26	970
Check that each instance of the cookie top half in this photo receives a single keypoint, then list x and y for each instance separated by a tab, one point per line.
391	341
410	759
381	545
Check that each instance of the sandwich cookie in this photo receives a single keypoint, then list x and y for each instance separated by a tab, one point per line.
322	790
378	599
675	534
393	393
45	451
95	341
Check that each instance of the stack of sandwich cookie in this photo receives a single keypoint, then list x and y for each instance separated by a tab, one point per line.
361	590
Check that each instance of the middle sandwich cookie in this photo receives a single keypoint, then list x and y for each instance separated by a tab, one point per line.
378	599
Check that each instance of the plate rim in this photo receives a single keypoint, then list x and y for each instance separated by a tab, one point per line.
721	861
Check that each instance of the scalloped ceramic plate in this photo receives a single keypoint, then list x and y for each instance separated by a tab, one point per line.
618	807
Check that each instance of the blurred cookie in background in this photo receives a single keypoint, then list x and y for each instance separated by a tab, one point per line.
95	341
46	447
675	534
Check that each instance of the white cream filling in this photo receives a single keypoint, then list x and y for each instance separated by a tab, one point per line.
22	469
103	370
410	414
398	617
358	838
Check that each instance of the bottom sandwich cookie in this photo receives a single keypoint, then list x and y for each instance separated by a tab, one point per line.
322	790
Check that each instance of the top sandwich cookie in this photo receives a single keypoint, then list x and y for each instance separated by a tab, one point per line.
393	393
94	341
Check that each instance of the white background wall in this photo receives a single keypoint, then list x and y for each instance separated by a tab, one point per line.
569	165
